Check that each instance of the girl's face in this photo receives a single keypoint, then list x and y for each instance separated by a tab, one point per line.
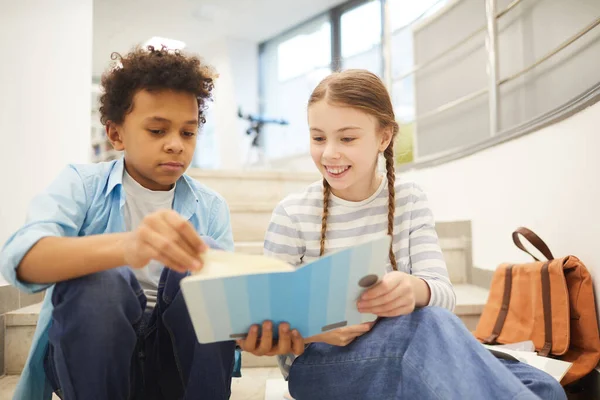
344	144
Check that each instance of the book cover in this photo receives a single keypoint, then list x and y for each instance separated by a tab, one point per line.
234	291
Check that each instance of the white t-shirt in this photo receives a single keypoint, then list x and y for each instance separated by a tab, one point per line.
140	202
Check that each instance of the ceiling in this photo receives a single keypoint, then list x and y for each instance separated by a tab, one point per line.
121	24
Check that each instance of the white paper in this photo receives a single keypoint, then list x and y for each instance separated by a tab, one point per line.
553	367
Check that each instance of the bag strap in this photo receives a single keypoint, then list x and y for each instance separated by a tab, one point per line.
503	309
534	240
547	304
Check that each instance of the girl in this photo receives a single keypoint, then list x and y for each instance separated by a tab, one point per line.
418	348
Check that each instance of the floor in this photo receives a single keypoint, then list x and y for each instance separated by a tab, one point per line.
251	386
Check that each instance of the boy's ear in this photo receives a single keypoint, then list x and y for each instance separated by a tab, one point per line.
113	132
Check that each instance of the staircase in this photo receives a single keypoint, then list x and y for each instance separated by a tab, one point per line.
252	197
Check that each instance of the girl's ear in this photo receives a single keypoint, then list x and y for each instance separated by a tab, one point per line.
386	138
113	132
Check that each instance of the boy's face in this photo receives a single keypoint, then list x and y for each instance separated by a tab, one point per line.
158	136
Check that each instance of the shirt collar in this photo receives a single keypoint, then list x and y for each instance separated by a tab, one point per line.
185	201
115	177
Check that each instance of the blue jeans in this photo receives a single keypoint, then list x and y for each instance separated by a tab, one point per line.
103	345
428	354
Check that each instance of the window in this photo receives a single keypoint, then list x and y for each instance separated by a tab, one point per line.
403	14
439	59
361	37
206	156
304	53
291	67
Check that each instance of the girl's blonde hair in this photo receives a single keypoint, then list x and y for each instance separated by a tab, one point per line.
364	91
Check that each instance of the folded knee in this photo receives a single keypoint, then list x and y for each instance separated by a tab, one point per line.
548	388
99	293
435	316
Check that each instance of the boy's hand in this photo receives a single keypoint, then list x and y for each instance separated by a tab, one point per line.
393	296
342	336
167	238
288	342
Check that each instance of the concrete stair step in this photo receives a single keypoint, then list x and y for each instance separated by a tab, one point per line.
254	186
249	247
249	221
8	384
20	327
470	300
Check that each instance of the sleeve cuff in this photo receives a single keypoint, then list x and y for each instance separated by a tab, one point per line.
15	249
442	294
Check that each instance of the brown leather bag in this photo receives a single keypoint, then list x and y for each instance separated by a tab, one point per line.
548	302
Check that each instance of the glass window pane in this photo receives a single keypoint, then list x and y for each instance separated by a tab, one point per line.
402	52
304	52
361	37
361	28
370	60
403	98
405	12
291	66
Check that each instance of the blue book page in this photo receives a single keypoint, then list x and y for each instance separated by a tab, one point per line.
314	298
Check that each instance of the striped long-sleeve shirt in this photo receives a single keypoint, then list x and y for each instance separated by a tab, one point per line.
295	231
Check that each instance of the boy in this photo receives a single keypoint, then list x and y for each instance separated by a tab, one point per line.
113	324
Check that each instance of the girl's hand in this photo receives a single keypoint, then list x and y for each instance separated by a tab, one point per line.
393	296
342	336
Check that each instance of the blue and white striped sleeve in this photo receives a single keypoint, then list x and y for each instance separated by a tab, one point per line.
427	260
282	239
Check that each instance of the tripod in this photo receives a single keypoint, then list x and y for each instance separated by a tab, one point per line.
256	125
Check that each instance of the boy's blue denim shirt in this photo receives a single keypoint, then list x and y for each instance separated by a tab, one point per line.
87	200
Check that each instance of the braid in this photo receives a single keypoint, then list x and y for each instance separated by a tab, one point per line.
326	192
391	178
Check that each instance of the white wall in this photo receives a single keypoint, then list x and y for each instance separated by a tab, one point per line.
548	181
46	98
236	62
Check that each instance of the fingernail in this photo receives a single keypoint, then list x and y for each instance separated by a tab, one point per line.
285	328
197	265
254	329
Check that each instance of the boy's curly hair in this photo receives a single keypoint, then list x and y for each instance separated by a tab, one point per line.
153	69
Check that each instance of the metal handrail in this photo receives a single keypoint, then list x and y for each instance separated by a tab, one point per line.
455	46
558	114
452	104
552	53
481	92
508	8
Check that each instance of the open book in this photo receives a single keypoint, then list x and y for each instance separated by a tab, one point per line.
234	291
553	367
